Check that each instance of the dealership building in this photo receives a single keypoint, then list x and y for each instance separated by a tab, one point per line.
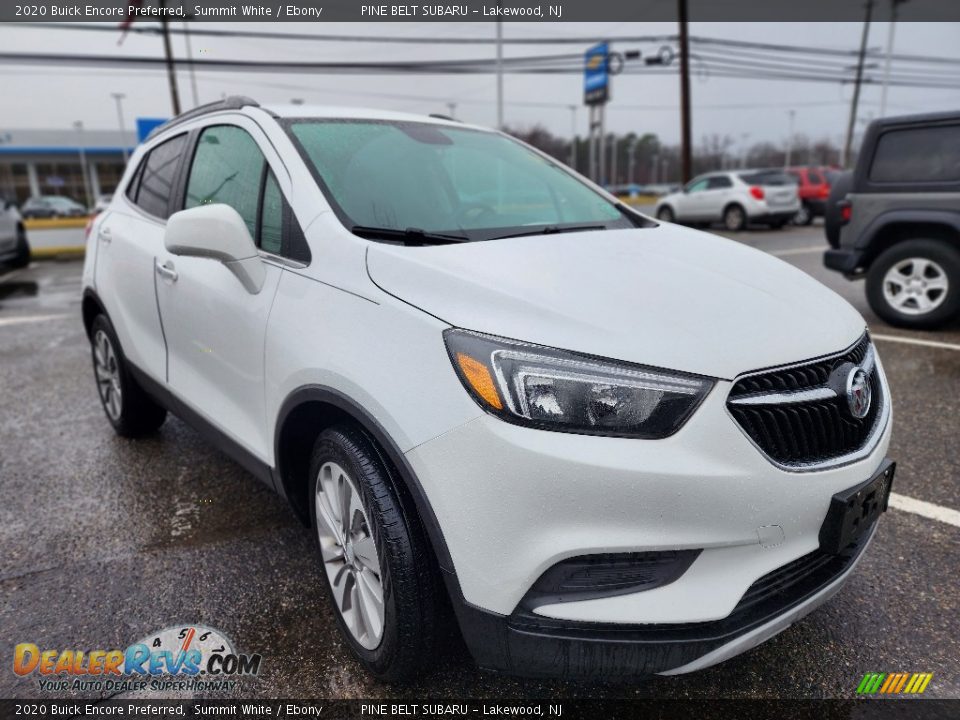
50	162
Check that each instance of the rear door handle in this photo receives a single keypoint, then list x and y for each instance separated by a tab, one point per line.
106	235
166	271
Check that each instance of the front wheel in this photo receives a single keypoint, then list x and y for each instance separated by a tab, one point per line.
916	284
666	214
379	572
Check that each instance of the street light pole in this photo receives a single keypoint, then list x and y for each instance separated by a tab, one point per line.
452	106
886	65
499	75
686	162
848	143
787	156
78	126
123	131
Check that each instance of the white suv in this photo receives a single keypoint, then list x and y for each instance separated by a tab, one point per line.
767	197
617	447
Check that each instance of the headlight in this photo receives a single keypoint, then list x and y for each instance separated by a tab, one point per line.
559	390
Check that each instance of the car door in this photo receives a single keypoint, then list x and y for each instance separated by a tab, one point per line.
715	198
129	239
215	328
691	203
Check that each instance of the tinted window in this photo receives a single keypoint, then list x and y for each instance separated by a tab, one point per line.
815	177
271	217
227	168
719	183
158	175
918	155
768	177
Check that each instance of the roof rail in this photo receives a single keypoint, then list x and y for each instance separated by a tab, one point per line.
233	102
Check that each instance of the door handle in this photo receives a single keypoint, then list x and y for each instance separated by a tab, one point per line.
166	271
105	234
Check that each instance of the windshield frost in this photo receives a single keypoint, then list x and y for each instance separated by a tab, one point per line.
444	180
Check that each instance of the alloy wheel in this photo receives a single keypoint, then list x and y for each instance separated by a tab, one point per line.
733	219
915	286
349	554
108	375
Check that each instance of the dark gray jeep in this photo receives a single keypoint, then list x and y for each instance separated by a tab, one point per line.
896	219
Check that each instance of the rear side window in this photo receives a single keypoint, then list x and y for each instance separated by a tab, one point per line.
154	182
719	183
768	177
815	177
930	154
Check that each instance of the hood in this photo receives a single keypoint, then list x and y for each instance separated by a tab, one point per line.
666	296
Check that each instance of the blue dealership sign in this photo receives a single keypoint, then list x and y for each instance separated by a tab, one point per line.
146	125
596	75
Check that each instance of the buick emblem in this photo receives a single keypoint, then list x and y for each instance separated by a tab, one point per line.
859	393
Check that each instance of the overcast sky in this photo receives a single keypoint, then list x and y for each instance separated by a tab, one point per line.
746	109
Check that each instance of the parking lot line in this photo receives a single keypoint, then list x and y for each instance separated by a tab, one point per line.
915	341
925	509
29	318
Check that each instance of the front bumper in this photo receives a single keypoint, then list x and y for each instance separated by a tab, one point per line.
513	502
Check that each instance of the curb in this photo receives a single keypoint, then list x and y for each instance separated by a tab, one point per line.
52	253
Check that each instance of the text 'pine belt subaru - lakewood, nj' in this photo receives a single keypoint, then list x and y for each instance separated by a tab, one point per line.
616	446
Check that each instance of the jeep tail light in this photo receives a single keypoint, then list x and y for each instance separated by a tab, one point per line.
757	192
846	211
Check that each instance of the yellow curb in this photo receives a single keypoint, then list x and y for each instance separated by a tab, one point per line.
638	200
57	251
53	223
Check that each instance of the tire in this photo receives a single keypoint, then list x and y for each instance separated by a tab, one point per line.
666	214
131	411
22	258
916	284
778	224
734	218
382	538
804	216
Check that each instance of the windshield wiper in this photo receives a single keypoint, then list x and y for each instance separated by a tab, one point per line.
551	230
410	236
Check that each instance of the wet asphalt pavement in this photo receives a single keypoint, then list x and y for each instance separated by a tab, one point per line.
105	540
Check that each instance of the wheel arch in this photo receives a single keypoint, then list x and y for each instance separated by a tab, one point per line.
892	228
309	410
90	307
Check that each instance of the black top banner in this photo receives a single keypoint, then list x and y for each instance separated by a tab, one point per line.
320	11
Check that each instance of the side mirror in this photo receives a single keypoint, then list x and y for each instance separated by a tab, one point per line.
219	233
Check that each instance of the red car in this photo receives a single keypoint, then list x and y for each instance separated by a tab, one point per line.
813	187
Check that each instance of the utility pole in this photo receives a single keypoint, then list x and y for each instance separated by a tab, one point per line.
123	131
171	70
886	65
193	74
848	143
452	107
81	141
573	136
787	157
686	164
499	74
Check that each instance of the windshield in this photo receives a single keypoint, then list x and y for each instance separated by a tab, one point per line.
439	180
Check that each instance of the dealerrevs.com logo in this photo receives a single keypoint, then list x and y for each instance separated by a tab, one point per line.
894	683
190	658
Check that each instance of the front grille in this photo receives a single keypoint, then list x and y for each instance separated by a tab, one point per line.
804	423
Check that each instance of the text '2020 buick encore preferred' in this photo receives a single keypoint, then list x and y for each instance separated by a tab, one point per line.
617	446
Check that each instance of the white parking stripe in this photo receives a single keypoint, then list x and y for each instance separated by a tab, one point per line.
20	319
796	251
913	341
925	509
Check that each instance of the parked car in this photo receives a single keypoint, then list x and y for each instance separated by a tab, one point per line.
733	199
813	188
613	446
896	220
52	206
14	247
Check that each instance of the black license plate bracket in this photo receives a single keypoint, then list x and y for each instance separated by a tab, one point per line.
853	511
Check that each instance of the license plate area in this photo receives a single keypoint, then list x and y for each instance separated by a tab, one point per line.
854	511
